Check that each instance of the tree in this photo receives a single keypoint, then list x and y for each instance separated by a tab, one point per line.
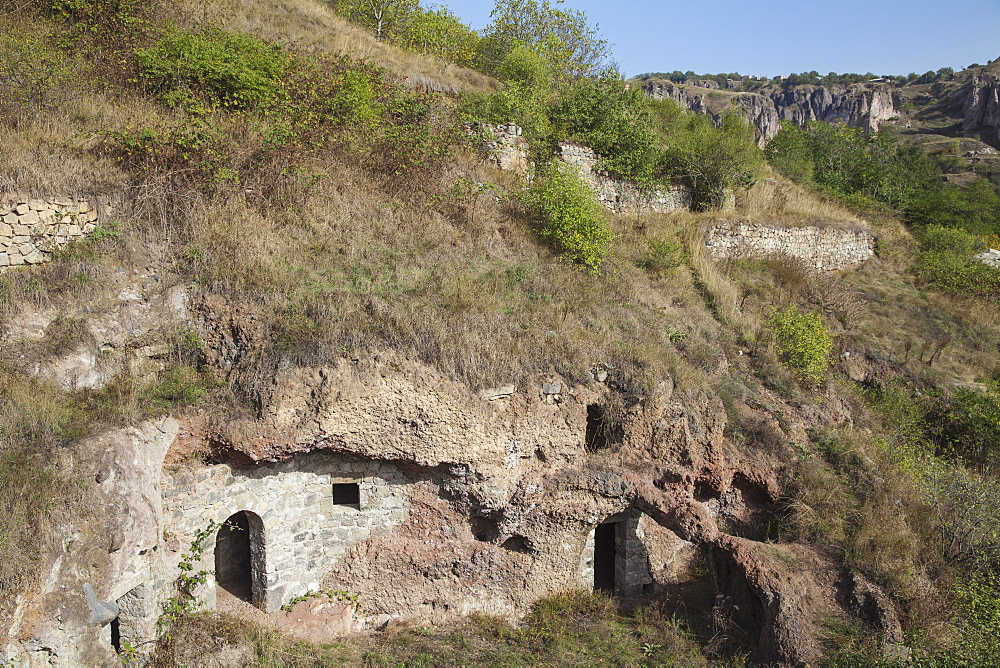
383	17
563	37
440	33
612	119
713	160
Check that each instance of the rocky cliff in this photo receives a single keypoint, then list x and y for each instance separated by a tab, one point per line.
981	108
862	105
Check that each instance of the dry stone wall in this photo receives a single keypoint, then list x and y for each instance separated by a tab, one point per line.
621	196
819	248
502	146
30	229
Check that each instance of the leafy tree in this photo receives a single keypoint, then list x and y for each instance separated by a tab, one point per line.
572	47
526	96
612	119
975	209
383	17
713	160
789	153
440	33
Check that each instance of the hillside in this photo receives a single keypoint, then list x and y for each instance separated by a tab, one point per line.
960	107
317	349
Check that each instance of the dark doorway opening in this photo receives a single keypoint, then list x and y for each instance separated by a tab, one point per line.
605	548
347	494
602	432
233	558
116	634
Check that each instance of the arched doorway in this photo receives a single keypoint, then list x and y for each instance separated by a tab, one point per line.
239	557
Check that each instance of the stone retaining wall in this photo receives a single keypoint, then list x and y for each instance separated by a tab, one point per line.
621	196
819	248
502	146
30	229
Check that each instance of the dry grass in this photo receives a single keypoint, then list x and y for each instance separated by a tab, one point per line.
775	199
312	25
35	421
574	628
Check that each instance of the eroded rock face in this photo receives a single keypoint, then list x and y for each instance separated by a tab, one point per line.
982	105
864	106
385	479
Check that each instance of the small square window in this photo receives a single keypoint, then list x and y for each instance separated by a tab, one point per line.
347	494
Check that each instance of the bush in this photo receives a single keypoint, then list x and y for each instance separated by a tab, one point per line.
214	68
712	160
946	261
612	119
570	215
804	343
975	209
33	73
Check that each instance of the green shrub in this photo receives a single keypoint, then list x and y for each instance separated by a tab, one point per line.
804	343
570	215
214	68
612	119
710	160
975	209
34	74
789	153
977	641
946	261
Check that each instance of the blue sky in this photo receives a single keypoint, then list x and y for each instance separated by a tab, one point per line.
769	37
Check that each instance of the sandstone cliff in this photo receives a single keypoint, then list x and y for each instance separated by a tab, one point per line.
862	105
981	108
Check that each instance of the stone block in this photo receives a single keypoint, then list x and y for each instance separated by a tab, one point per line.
22	209
84	206
38	204
28	218
6	230
15	259
4	260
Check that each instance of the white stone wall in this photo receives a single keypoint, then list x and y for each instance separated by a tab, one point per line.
30	229
819	248
620	196
502	146
305	533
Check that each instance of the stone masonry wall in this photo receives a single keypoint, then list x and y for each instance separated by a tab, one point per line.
503	147
819	248
30	229
621	196
305	533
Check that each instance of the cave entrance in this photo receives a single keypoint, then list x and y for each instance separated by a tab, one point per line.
239	557
605	557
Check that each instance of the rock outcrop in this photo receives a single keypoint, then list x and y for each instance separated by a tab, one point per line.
861	105
386	479
981	110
